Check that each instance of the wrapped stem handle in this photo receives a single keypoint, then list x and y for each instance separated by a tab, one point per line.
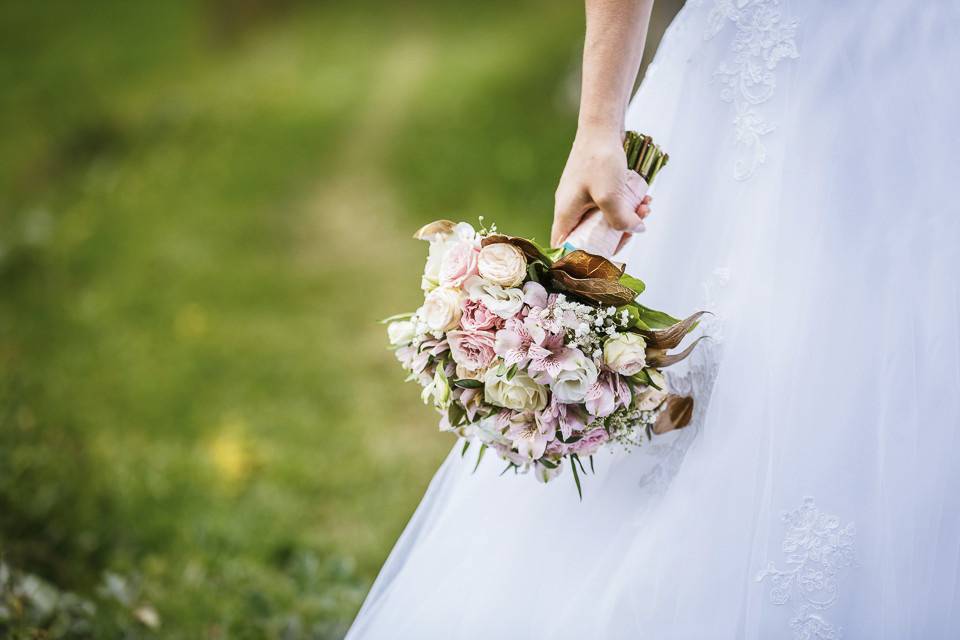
593	234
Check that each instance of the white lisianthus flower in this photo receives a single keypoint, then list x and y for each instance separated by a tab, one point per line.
503	264
438	391
441	309
505	303
520	393
571	385
625	353
401	332
440	243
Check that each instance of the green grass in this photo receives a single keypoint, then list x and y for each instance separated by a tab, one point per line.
205	207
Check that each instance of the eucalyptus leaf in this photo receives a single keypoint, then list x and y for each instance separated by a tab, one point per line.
468	383
547	463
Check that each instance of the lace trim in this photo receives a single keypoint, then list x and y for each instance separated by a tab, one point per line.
817	549
763	39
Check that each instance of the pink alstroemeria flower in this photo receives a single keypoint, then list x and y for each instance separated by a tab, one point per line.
607	394
513	342
568	418
551	356
530	438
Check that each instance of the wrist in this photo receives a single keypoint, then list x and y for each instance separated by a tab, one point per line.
600	128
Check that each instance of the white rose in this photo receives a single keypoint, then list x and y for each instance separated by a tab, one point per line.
520	393
503	264
625	353
505	303
431	270
571	385
441	309
401	332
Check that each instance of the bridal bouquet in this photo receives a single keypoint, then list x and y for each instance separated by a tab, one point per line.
543	355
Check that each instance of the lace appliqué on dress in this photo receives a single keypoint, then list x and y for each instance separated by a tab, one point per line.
763	39
817	549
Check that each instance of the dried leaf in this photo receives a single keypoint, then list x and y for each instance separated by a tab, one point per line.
529	249
581	264
435	228
677	414
670	337
659	358
595	289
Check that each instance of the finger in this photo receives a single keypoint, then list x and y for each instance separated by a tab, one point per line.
647	199
619	212
643	211
569	207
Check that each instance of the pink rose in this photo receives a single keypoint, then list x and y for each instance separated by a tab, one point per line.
458	264
477	317
472	349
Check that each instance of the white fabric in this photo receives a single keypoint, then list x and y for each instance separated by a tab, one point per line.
810	200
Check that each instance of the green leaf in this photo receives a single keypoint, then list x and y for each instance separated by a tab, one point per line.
656	319
633	283
633	316
592	470
455	414
550	252
576	478
512	371
398	316
468	383
509	466
547	463
650	381
466	445
483	450
579	462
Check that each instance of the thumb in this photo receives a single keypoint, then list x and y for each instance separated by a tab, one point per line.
569	207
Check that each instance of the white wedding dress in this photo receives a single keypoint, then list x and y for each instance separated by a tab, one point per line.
811	203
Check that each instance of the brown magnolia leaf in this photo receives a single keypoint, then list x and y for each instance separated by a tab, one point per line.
529	249
659	358
581	264
671	336
598	290
677	414
437	227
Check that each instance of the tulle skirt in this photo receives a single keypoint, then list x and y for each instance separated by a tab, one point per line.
810	204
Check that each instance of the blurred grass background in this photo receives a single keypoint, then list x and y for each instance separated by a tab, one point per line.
204	208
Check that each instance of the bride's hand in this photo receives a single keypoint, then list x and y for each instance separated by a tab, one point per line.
596	176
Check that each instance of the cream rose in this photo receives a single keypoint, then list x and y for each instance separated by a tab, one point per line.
400	332
505	303
520	393
571	385
625	353
503	264
441	309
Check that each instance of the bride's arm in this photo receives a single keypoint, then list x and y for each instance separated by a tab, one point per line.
596	173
